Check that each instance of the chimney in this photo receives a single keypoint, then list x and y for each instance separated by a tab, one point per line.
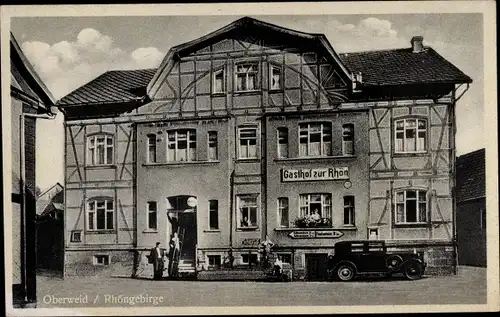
417	44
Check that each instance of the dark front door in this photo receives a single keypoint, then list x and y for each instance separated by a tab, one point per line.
187	229
316	268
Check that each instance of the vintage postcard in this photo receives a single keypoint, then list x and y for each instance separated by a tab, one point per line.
250	158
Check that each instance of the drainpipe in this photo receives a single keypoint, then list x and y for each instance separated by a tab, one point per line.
50	116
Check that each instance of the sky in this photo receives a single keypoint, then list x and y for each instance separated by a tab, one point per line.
68	52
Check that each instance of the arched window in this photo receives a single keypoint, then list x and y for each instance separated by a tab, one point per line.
411	206
100	149
100	213
181	145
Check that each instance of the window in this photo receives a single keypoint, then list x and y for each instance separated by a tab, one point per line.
247	206
411	135
275	78
349	210
218	82
101	259
282	142
152	215
311	204
373	234
181	145
214	261
286	258
249	258
100	214
283	212
411	206
213	214
315	139
348	139
246	77
100	149
76	236
247	143
212	146
152	148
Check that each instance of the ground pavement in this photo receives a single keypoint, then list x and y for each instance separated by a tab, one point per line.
468	287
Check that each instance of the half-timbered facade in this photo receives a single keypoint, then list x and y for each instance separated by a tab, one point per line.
255	132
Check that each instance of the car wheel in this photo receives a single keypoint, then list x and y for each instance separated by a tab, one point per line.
393	262
413	270
346	272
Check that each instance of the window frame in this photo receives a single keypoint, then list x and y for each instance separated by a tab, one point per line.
323	205
92	160
287	254
74	238
239	146
95	260
257	85
345	127
249	255
322	136
189	133
214	256
238	208
417	203
279	138
280	209
105	200
280	69
209	133
210	210
417	130
351	211
214	76
149	211
150	145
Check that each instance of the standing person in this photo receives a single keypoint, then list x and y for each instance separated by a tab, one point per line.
278	267
174	254
156	256
267	245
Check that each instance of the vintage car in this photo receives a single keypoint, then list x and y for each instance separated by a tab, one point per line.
371	257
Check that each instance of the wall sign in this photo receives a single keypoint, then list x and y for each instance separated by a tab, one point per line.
314	174
250	241
315	234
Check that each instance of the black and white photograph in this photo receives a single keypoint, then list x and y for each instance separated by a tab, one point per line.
250	158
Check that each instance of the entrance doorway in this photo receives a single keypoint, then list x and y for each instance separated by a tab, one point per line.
181	212
316	268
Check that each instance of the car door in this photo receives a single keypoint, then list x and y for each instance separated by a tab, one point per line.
376	254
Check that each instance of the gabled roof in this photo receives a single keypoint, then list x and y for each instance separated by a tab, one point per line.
243	23
403	66
24	76
471	175
57	186
115	86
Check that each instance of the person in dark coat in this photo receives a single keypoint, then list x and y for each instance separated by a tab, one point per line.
156	258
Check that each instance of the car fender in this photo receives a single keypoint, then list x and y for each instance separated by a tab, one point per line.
414	260
345	262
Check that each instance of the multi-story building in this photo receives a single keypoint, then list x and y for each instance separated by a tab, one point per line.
471	208
256	132
30	100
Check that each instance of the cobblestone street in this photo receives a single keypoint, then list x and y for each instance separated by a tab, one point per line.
468	287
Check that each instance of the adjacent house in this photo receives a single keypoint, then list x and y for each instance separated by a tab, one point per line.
50	230
30	100
257	132
471	208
